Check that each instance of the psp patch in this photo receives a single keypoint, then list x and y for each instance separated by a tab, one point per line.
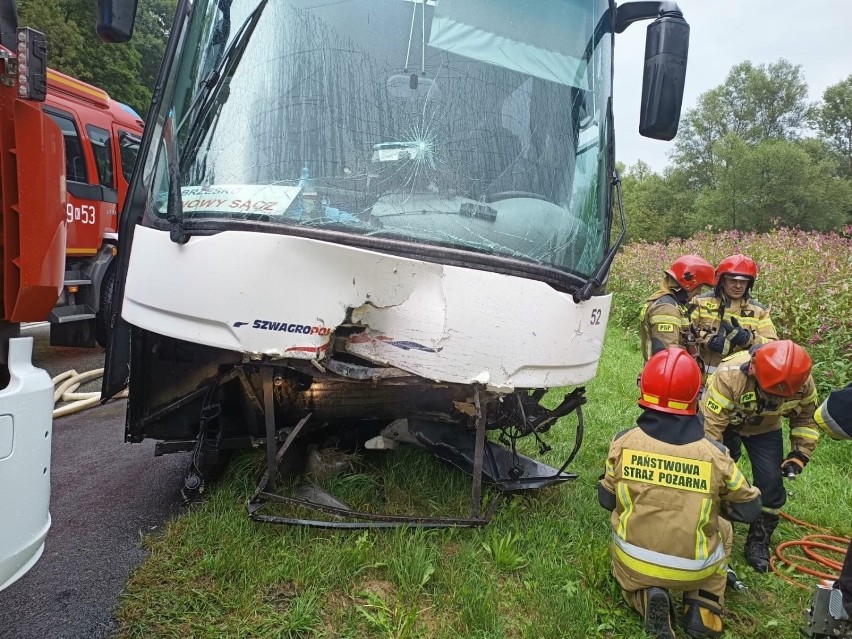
665	328
713	406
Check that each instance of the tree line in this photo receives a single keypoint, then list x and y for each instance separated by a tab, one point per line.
127	72
753	154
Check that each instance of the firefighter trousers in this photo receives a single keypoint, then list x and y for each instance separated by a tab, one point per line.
765	452
708	592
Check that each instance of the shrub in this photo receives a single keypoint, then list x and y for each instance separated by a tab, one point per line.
805	278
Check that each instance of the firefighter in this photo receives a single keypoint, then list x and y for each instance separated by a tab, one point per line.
729	319
743	405
665	316
834	418
668	487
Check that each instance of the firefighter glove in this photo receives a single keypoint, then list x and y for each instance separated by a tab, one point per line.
719	344
794	464
738	335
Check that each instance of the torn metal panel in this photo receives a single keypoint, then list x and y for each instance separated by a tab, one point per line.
265	491
509	472
361	372
466	448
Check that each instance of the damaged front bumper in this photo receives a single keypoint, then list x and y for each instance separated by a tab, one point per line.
471	451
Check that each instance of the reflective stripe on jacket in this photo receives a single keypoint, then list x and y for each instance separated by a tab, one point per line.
665	522
732	400
665	566
834	415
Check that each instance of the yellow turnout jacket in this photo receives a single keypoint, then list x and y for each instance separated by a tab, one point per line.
733	400
667	504
748	312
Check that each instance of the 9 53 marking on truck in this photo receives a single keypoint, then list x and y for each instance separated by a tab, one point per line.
84	213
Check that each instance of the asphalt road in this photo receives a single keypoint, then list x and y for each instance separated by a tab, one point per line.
105	495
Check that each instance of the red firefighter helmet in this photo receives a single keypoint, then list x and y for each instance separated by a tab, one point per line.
736	266
691	271
670	382
781	368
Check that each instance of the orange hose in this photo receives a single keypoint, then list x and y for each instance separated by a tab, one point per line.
808	544
803	523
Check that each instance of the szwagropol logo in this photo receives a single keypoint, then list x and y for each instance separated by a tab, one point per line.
285	327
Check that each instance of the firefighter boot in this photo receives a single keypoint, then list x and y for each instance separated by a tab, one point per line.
757	542
658	620
702	622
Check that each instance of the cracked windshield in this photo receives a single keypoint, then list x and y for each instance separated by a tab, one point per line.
440	123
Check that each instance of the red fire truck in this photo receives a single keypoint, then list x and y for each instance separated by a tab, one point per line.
101	142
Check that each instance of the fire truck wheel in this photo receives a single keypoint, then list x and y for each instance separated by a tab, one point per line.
102	318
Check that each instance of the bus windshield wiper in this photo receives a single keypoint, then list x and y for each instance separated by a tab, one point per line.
206	104
200	111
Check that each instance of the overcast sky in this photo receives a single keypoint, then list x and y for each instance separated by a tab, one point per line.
816	35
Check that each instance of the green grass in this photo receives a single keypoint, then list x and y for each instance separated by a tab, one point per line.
540	570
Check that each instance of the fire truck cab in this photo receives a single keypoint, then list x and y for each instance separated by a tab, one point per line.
101	142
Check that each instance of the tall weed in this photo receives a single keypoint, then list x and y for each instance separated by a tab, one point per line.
805	279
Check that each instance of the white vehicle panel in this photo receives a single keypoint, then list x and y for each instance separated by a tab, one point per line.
282	296
26	418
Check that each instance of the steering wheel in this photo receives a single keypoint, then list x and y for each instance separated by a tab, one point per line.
507	195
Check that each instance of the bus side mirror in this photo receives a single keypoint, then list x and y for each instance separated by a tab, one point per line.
666	50
115	20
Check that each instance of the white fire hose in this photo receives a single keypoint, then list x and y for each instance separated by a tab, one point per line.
65	385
